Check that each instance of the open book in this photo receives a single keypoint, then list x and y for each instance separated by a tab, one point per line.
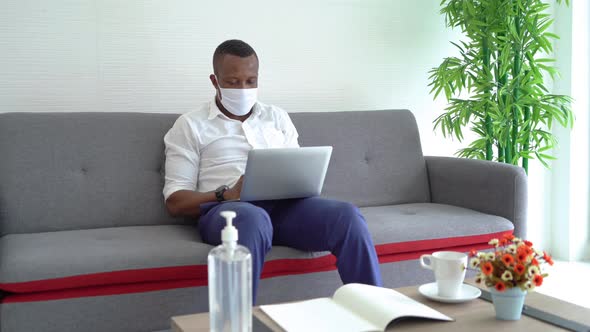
354	308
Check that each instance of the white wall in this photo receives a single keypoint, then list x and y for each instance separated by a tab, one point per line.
155	56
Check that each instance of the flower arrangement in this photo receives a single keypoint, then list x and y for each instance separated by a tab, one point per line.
513	263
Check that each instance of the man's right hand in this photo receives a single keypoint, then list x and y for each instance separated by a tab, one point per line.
188	202
234	192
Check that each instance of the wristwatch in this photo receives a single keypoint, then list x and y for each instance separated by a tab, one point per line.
219	193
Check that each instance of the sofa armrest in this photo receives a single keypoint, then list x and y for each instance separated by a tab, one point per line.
489	187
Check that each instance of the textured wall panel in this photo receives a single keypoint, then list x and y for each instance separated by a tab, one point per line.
155	56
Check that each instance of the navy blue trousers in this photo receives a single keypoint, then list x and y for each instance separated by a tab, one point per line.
308	224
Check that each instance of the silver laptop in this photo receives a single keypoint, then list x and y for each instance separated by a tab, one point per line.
285	173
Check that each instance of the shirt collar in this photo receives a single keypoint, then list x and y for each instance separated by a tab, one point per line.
214	110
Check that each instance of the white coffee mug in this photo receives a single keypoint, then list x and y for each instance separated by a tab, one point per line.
449	271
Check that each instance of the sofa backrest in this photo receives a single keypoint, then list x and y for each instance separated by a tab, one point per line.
63	171
377	157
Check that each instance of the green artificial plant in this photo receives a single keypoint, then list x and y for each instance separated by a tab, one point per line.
496	86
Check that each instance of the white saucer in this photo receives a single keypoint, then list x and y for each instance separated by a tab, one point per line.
467	293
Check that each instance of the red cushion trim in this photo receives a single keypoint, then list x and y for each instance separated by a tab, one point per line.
415	255
412	246
163	274
198	273
102	291
165	285
281	267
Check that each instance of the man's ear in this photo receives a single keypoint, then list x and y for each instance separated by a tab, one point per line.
214	81
216	86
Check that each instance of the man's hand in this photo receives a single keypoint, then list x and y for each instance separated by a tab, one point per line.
234	192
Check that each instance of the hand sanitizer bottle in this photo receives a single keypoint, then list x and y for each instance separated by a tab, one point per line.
230	282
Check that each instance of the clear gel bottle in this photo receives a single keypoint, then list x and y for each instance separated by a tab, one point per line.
230	282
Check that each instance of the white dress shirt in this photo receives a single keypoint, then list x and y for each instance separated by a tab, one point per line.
205	149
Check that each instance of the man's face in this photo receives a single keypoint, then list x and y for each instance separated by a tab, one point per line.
234	72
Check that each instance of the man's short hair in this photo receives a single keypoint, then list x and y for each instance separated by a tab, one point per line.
234	47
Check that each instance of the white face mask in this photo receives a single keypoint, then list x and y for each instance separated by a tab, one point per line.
238	101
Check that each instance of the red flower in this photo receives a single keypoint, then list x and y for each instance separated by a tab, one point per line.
500	287
519	269
525	249
472	253
509	237
528	243
487	268
521	256
547	258
535	262
507	259
538	280
503	242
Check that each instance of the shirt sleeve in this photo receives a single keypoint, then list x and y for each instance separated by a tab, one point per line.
182	158
289	130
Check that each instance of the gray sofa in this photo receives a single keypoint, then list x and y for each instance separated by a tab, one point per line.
86	243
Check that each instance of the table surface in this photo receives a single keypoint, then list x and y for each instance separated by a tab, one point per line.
469	316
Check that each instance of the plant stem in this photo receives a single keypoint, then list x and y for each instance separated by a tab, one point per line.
516	75
488	119
527	129
508	151
489	151
501	79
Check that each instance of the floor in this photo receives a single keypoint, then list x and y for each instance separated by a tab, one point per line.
568	281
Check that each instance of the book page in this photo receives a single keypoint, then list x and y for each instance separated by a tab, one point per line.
316	315
382	305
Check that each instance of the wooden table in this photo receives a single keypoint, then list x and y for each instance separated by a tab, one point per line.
476	315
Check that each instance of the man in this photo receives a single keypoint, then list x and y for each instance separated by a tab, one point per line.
206	153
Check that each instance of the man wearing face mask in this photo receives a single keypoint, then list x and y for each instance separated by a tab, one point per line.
206	152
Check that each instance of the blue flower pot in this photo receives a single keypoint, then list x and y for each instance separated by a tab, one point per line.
508	304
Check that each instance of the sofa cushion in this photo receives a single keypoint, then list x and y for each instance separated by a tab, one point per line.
377	157
65	171
139	254
426	226
100	170
136	254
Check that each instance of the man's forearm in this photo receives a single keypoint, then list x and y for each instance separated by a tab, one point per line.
187	202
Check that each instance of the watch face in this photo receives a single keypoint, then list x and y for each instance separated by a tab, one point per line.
219	192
